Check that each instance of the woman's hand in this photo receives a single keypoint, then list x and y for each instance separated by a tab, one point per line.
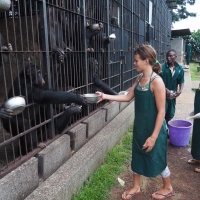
101	96
149	144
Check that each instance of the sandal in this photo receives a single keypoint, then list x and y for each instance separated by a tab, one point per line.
193	161
129	194
197	169
164	196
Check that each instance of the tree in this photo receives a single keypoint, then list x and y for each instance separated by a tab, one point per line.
181	11
195	42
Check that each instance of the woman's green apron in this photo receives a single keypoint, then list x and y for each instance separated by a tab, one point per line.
154	162
195	150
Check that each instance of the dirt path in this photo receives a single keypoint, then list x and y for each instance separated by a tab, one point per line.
185	181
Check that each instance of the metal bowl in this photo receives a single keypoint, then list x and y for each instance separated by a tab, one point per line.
17	104
123	93
94	27
5	5
93	98
112	37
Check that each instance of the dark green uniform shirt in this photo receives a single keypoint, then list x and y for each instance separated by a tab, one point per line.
188	51
171	83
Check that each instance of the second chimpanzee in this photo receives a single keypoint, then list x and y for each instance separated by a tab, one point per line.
91	31
56	23
4	47
30	84
103	41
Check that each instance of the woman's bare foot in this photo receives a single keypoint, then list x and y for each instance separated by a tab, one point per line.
194	161
163	193
130	193
197	169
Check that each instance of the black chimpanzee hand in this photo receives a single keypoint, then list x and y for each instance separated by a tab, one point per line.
7	48
6	113
10	47
85	102
74	108
59	53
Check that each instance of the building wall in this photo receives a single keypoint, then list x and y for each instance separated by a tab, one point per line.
178	45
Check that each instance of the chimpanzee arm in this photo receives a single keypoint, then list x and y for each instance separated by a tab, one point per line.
56	97
64	119
105	88
3	45
91	34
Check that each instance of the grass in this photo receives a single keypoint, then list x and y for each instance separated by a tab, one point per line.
104	178
193	71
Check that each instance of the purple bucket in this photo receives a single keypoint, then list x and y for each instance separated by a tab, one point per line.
179	132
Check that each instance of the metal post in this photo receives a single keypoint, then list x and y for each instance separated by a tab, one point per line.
85	47
43	16
122	57
108	33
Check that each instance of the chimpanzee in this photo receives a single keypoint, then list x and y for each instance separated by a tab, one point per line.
92	68
30	84
72	5
96	10
114	21
55	31
64	119
102	86
103	41
91	31
4	47
78	34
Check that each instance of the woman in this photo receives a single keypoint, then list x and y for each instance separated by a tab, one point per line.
149	149
195	148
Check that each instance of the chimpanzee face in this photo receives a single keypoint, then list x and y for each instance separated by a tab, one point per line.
35	75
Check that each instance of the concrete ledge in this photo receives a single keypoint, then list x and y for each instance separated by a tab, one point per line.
77	136
112	111
95	123
123	105
68	179
53	156
20	182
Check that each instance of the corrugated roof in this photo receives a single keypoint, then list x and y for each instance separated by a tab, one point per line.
180	32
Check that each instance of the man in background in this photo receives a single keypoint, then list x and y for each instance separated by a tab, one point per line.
173	78
188	51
